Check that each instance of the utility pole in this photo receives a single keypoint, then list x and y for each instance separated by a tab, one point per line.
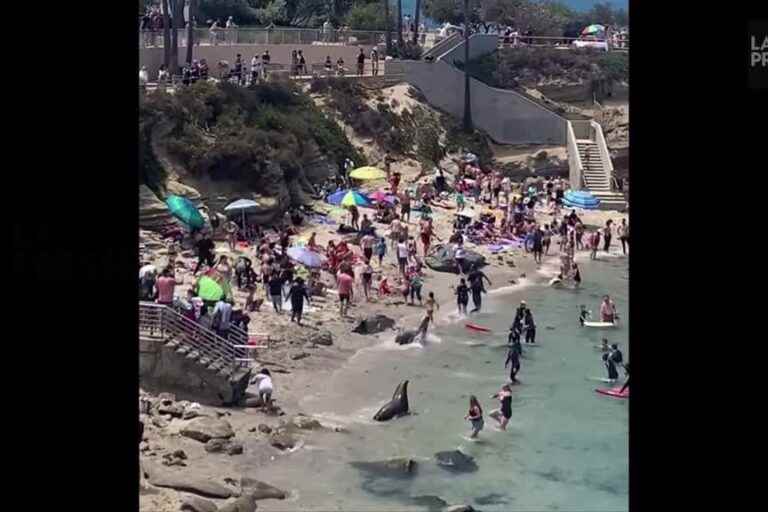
467	101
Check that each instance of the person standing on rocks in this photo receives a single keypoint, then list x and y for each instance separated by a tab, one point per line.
297	294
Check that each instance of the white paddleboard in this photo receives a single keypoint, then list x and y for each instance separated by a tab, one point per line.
600	325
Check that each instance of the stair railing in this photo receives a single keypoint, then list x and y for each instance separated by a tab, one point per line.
161	322
575	166
596	134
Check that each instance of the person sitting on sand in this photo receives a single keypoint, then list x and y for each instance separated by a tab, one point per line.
384	288
475	416
505	398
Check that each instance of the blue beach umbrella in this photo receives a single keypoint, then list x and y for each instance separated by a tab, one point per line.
581	199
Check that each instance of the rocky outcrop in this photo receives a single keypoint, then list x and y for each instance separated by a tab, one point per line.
282	440
261	491
228	446
397	467
303	422
153	213
374	324
179	480
195	504
322	337
245	503
456	461
205	429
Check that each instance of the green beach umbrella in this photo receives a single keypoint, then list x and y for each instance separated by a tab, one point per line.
209	289
184	210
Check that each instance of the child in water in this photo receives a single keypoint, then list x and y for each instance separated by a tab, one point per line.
431	304
475	416
584	314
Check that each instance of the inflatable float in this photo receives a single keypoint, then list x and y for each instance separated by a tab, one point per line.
613	392
476	327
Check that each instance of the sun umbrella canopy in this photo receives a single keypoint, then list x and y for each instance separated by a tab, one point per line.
241	204
368	173
209	289
348	197
593	29
581	199
184	210
306	257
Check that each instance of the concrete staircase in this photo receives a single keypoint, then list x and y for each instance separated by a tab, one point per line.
176	353
596	178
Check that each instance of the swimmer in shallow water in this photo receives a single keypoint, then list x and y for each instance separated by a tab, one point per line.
603	346
513	357
611	367
505	398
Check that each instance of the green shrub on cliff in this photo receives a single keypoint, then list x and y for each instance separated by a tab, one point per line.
230	132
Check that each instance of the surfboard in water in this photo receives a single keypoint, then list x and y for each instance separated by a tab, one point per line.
602	379
614	392
599	325
476	327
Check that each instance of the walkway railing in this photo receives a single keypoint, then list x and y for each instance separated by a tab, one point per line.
162	323
281	35
575	166
596	134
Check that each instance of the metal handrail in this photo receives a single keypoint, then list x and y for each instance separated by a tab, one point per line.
159	321
263	36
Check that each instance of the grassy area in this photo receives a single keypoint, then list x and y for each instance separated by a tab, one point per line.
510	68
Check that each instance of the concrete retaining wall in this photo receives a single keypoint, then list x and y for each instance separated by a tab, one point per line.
279	53
162	369
506	116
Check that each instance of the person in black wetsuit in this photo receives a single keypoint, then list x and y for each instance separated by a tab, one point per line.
616	356
515	330
476	283
513	358
611	367
583	315
462	296
530	327
297	294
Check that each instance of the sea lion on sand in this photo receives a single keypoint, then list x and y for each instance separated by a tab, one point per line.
398	406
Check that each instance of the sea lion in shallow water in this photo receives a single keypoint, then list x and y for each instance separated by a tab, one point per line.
398	406
406	337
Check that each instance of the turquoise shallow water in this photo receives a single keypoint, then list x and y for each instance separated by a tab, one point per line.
566	448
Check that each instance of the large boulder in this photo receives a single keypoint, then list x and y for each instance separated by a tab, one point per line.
441	259
323	337
397	467
282	440
153	213
374	324
456	461
204	429
261	491
195	504
244	503
160	476
303	422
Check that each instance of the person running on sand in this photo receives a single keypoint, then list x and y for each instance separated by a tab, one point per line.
231	229
462	296
367	276
475	416
431	305
297	294
345	283
607	310
505	400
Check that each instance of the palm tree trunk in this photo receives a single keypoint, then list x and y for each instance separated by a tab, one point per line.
416	16
388	37
166	36
191	30
467	102
400	23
